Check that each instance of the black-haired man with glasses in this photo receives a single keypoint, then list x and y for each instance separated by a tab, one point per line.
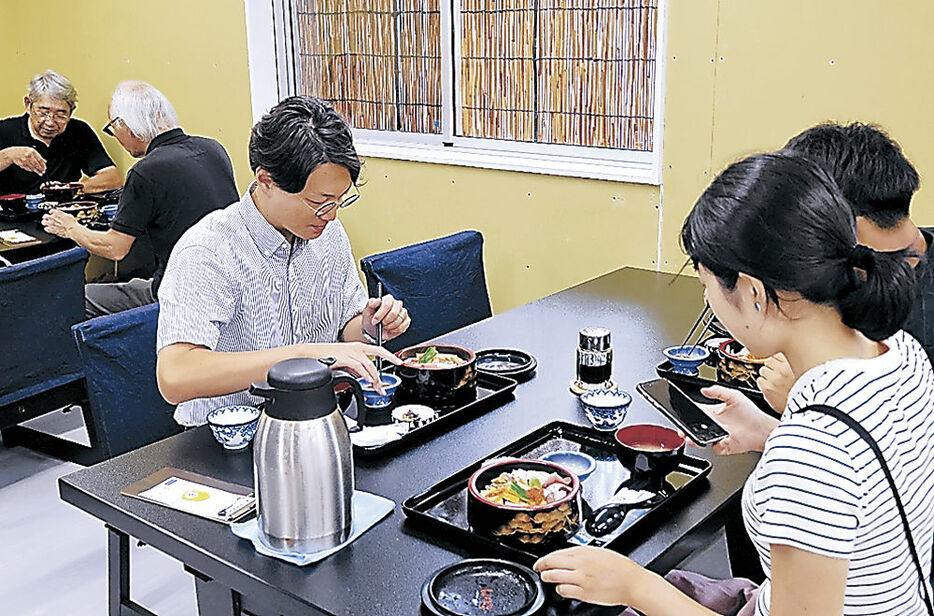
47	144
272	277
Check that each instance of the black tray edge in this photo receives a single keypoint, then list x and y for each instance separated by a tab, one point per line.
502	387
443	488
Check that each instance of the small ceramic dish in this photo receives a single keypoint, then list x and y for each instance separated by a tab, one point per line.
685	359
414	415
375	400
577	462
234	426
481	587
605	408
514	363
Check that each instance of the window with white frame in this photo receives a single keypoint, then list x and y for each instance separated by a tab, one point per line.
567	87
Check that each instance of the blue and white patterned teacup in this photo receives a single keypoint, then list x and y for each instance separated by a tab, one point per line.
234	426
606	408
109	211
375	400
685	359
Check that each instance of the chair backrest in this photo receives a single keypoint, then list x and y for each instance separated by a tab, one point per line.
441	282
118	354
39	302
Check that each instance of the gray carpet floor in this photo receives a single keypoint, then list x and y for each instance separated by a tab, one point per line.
53	557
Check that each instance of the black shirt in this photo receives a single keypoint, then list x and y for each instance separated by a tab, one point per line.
77	150
180	179
920	323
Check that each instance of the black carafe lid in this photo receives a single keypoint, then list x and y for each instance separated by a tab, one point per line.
297	389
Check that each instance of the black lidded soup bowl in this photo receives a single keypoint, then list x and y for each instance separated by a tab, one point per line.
523	525
649	449
60	191
438	384
13	204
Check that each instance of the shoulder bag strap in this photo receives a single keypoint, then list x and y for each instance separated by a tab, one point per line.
864	434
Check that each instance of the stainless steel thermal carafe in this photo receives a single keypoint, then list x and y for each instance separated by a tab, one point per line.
302	463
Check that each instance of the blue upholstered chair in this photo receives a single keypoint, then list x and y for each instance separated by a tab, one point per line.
40	300
441	282
118	356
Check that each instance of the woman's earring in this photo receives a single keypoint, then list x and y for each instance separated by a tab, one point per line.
758	307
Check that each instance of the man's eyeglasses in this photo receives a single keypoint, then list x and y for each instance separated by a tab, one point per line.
349	198
107	130
57	116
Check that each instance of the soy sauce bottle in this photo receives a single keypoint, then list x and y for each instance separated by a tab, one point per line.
594	356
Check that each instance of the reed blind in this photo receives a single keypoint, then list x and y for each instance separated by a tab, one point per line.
377	61
572	72
565	72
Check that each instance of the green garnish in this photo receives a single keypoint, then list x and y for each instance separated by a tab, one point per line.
429	354
515	487
535	482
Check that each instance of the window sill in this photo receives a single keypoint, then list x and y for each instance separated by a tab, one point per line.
631	171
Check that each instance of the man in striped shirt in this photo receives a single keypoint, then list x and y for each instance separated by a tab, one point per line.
272	276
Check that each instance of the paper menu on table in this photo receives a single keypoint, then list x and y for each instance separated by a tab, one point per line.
15	236
195	494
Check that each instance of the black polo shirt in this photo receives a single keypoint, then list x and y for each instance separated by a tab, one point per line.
179	180
920	323
77	150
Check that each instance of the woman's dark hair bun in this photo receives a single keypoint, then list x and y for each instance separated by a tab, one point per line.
874	302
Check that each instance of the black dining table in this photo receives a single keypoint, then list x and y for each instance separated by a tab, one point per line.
45	243
383	571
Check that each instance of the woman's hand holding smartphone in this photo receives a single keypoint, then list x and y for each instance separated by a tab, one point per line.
747	426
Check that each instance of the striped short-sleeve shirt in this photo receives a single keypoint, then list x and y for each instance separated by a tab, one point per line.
234	283
818	486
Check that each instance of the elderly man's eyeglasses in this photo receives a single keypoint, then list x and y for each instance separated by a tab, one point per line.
57	116
107	130
349	198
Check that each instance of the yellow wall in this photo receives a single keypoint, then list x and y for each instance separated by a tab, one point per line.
741	76
781	66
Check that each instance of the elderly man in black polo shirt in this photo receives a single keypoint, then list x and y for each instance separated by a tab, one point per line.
46	143
179	179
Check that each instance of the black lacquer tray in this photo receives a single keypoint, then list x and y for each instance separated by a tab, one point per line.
492	391
19	215
442	509
706	377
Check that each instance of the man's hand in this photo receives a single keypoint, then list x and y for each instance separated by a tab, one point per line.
59	223
747	424
388	311
355	357
775	381
594	575
25	158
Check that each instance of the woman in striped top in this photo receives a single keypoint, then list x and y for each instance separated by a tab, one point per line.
774	243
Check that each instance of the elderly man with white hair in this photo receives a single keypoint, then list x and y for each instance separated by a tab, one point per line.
46	143
179	179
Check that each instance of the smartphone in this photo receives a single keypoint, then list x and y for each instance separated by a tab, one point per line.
680	408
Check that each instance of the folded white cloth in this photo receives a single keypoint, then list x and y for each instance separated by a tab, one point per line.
373	436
